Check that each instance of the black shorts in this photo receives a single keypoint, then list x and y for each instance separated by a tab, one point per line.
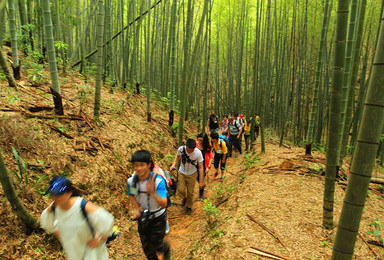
217	160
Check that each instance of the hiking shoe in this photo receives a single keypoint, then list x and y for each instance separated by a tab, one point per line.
166	227
215	175
183	202
189	211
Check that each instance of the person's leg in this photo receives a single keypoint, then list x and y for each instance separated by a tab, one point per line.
219	159
190	181
157	236
257	131
216	162
145	237
201	191
222	165
238	146
231	141
246	137
182	187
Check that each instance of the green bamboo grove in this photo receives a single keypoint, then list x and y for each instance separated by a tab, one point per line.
303	66
272	58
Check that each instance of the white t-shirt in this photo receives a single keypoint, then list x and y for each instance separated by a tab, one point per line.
188	168
140	190
75	232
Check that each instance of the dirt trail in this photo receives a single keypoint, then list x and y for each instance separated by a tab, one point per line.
282	189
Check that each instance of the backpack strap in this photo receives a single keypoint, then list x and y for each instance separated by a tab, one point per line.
82	207
188	159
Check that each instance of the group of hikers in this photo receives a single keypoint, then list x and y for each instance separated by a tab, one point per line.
84	229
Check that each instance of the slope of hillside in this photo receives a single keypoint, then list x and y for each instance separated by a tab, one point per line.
94	154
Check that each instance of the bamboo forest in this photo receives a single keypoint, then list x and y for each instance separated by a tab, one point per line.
192	129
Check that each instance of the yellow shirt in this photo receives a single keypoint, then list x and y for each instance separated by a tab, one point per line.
220	149
247	128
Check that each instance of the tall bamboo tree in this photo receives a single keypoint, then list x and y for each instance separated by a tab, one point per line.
173	47
2	23
3	63
364	157
11	195
55	89
333	145
354	73
316	86
99	59
7	72
12	31
147	63
346	89
186	47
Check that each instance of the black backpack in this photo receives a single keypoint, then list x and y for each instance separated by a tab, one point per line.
185	158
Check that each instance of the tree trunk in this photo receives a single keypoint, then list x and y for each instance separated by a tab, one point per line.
12	30
52	57
364	158
99	60
11	195
344	124
147	63
4	66
333	145
316	86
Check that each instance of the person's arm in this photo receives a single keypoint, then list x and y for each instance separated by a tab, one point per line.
98	239
201	175
159	193
224	149
173	166
208	130
207	161
136	205
240	131
47	220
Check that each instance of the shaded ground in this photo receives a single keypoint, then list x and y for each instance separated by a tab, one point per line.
281	188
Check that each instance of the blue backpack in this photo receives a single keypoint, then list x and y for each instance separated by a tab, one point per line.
223	138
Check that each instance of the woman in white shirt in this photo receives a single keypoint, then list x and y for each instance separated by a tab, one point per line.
65	219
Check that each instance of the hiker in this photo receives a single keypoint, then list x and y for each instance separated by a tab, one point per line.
247	133
148	193
204	146
221	150
240	119
257	126
213	124
235	130
71	223
191	165
224	126
156	169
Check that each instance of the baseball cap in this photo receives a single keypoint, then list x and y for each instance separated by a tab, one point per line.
59	185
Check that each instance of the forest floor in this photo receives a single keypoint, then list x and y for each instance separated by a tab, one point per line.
282	188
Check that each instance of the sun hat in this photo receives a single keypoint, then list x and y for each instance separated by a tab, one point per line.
59	185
